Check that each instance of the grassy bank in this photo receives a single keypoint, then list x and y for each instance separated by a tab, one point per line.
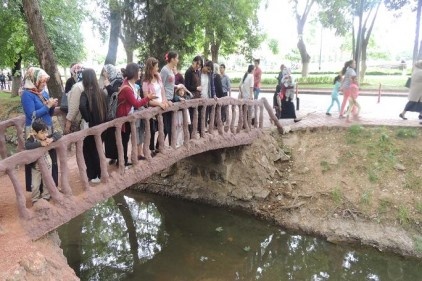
8	105
373	174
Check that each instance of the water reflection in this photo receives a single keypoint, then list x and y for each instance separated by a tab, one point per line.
144	237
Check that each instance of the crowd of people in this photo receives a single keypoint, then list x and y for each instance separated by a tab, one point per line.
89	101
5	81
121	92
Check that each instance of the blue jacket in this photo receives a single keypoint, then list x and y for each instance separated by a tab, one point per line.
33	107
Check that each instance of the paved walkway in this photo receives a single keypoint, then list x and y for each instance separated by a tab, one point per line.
375	112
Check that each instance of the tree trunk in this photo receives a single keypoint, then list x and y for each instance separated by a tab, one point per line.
129	55
43	47
366	34
17	75
418	23
363	61
215	48
300	26
306	58
115	26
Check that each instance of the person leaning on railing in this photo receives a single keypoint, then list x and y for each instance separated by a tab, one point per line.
37	104
73	117
127	102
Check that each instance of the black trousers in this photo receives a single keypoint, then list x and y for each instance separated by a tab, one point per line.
153	125
92	160
125	141
54	172
167	119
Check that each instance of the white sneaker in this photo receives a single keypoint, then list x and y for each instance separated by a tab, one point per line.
96	180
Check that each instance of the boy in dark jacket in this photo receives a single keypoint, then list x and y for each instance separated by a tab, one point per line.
39	138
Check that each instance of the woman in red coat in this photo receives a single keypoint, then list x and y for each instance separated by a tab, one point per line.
127	102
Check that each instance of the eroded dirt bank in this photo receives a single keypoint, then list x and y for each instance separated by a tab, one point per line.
327	183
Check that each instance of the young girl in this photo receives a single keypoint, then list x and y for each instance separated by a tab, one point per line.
180	96
152	84
349	75
335	93
168	79
354	93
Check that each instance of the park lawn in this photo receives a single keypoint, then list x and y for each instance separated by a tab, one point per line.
8	104
371	82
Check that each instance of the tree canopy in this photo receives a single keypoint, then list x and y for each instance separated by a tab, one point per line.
62	25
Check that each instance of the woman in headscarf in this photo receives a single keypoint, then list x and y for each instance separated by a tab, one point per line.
37	104
415	92
73	116
112	79
287	95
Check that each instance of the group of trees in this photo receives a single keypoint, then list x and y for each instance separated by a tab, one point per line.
47	32
341	15
33	31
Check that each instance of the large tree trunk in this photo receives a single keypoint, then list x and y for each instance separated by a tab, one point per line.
363	61
115	26
301	21
17	75
215	48
129	55
306	58
43	47
418	23
366	34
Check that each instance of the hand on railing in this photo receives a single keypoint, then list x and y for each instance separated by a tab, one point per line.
150	96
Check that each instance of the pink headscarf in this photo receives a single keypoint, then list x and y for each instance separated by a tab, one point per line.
34	76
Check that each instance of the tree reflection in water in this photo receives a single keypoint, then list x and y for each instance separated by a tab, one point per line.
134	236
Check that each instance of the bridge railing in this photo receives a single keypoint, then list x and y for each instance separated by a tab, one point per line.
237	120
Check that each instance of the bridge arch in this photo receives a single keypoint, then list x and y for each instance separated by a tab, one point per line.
77	197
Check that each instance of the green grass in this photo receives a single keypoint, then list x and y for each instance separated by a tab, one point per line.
403	215
412	181
325	166
337	195
406	133
373	175
384	205
324	81
419	207
366	197
418	243
6	96
375	145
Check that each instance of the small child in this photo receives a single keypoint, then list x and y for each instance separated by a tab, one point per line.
180	95
38	138
354	93
335	93
289	87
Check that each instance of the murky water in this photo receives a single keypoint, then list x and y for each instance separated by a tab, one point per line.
136	236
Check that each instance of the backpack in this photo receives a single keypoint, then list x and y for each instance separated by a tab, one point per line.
112	104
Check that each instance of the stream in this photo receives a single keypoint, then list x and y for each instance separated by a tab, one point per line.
137	236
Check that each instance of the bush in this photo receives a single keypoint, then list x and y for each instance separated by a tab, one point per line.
315	80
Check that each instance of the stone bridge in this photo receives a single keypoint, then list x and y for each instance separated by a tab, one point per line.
75	196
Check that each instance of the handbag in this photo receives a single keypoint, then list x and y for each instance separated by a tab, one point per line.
64	103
